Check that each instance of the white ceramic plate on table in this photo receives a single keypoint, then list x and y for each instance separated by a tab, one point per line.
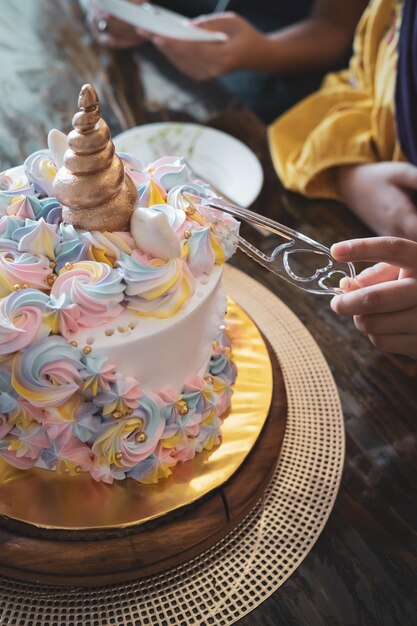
225	162
159	21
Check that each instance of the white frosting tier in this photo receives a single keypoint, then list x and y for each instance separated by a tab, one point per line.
162	353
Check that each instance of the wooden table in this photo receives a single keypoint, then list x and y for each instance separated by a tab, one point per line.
363	568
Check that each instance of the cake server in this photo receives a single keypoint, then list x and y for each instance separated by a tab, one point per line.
281	261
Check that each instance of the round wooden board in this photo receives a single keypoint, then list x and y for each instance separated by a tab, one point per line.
90	558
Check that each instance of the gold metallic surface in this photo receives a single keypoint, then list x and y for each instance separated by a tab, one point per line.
92	185
46	499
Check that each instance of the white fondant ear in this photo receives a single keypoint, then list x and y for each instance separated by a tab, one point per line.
58	144
153	234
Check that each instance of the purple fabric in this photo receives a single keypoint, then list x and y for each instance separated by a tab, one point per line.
406	86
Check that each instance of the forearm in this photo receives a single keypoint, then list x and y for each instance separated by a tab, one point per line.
308	45
315	43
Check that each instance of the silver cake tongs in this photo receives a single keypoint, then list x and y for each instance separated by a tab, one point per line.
321	275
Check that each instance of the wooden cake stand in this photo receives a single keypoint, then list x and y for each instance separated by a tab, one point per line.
97	556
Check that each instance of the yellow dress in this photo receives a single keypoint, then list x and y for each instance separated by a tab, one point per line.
350	120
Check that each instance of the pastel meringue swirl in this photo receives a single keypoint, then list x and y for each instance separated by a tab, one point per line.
41	170
22	269
151	193
131	439
169	172
69	455
97	374
30	207
47	373
121	395
106	247
71	248
22	208
37	237
23	445
62	315
8	224
74	418
95	287
14	183
156	466
156	287
22	319
201	256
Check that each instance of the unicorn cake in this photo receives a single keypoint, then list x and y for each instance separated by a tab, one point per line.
114	355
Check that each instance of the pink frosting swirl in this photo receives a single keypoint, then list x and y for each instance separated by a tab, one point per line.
47	373
132	439
23	269
22	319
22	208
95	287
22	446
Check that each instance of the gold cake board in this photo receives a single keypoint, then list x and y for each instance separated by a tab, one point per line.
224	583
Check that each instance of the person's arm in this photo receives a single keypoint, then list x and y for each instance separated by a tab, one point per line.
383	196
315	42
383	298
109	31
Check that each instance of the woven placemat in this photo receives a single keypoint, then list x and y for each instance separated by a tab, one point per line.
223	584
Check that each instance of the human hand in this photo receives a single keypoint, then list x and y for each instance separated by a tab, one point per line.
380	194
382	298
206	60
111	32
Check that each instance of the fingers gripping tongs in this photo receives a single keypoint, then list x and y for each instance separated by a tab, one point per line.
326	272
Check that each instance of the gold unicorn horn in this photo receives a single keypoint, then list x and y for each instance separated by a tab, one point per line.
92	185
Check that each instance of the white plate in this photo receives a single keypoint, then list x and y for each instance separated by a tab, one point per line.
159	21
220	159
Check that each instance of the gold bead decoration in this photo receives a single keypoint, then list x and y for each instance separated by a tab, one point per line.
17	287
190	210
78	469
182	407
52	265
51	278
129	412
187	234
68	266
140	437
214	344
209	379
122	329
109	332
25	286
87	349
119	456
132	325
117	415
74	343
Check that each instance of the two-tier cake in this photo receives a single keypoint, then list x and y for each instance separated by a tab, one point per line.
114	356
